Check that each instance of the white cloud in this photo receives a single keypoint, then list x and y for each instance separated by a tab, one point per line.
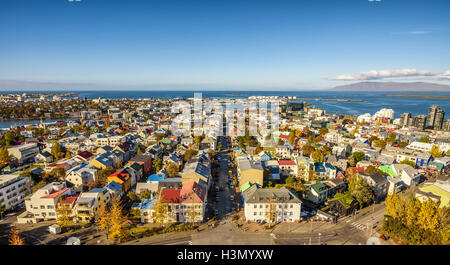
381	74
444	76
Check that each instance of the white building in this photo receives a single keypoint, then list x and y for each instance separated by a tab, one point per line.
41	206
79	176
24	153
277	205
13	190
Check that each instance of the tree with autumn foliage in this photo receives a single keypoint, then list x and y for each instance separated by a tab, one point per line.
361	191
411	221
160	210
64	214
435	152
15	238
118	225
5	157
103	219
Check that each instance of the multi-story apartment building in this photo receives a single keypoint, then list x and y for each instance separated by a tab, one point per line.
41	206
24	153
79	176
183	205
13	190
88	203
271	205
435	118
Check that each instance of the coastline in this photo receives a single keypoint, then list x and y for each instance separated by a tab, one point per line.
418	96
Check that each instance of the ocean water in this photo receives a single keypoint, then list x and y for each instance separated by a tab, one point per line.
372	100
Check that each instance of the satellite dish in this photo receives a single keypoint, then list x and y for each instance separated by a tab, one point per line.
73	241
373	241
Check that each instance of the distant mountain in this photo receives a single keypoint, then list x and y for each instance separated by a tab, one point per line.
395	86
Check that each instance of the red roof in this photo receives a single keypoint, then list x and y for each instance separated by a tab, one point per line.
192	192
286	163
70	199
171	196
124	146
284	136
55	194
359	169
85	154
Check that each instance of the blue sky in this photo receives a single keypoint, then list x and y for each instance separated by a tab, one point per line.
221	44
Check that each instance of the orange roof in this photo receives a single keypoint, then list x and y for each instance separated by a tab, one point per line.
55	194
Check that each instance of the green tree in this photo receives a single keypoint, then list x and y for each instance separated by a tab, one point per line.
173	170
355	158
56	150
408	162
323	131
290	180
307	150
361	191
157	164
5	157
391	138
2	210
402	144
379	143
372	138
370	169
132	197
145	194
424	140
190	153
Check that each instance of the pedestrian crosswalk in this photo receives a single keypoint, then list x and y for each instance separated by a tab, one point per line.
359	226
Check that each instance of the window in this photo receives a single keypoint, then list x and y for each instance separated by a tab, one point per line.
50	207
42	206
291	205
255	206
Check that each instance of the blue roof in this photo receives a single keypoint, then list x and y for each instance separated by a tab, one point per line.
114	186
174	158
155	177
96	190
319	167
202	170
274	170
328	165
147	204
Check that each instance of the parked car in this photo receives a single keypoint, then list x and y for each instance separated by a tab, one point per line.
231	197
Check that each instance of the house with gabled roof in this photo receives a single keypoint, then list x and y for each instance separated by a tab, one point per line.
41	205
277	205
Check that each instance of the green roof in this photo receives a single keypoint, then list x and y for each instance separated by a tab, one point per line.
438	165
166	141
445	195
345	199
245	186
388	170
318	187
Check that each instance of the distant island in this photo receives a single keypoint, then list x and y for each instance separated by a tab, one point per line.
418	96
395	86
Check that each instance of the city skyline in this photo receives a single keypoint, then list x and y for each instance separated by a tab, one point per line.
220	45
